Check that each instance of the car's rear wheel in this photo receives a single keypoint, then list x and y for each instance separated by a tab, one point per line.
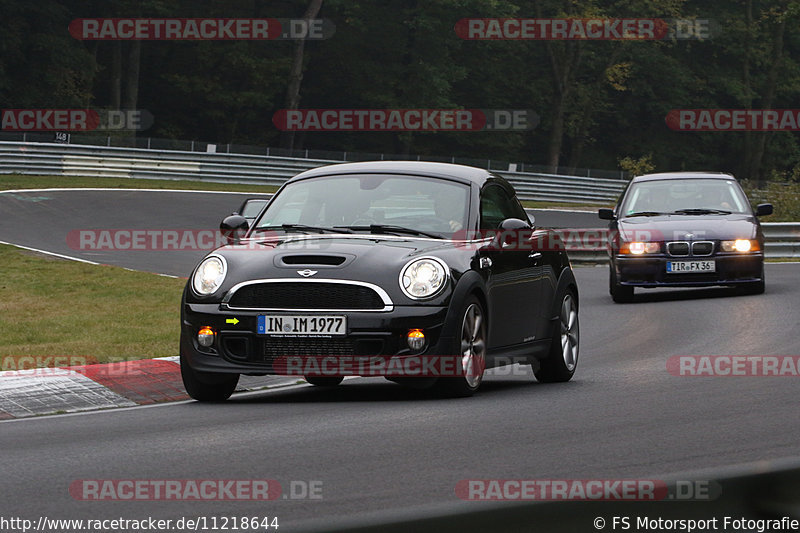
207	386
562	360
470	345
619	293
324	381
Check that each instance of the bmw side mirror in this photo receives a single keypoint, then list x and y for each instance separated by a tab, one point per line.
606	214
233	228
763	210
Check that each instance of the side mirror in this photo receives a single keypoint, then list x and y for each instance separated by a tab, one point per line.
233	228
512	231
606	214
763	210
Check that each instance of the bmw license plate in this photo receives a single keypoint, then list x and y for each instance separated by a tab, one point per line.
328	325
690	267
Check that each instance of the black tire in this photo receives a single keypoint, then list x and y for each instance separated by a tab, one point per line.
562	360
469	338
621	294
207	386
324	381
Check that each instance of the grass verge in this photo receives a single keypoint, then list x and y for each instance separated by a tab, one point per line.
16	181
55	307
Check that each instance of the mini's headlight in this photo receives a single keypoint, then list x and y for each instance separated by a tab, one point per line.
423	278
739	245
209	275
639	248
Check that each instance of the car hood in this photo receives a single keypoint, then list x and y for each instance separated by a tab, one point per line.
360	257
688	227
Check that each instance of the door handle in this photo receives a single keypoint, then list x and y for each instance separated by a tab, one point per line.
535	255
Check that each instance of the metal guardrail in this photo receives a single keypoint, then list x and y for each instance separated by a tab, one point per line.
103	161
782	239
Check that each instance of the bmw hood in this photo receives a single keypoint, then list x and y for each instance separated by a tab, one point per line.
688	227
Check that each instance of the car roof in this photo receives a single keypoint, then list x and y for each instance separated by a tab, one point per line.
461	173
684	176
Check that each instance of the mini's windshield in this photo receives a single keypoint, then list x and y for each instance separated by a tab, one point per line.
690	196
370	203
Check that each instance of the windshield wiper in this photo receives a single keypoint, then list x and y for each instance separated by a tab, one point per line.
388	228
646	214
303	227
702	211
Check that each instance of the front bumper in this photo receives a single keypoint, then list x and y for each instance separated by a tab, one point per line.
238	349
651	271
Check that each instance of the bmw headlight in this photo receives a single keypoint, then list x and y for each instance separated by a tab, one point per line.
209	275
423	278
739	245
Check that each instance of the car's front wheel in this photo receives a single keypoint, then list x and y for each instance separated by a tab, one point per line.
207	386
562	360
470	345
621	294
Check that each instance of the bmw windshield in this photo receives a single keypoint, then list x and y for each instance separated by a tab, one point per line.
686	196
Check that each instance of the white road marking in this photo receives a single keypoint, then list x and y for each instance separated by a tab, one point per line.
61	189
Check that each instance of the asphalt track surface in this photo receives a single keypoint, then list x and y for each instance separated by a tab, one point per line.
378	446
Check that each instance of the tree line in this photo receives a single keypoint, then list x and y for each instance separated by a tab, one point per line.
600	103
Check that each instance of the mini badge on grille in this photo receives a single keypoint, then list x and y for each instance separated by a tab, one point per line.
307	273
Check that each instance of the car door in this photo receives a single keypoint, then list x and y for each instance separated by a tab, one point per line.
513	279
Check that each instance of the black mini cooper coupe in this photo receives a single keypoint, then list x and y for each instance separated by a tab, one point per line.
685	229
420	272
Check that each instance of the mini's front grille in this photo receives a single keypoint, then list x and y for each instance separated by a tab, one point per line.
678	249
702	248
299	295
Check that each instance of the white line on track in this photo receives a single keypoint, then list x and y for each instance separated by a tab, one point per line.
45	252
121	189
236	396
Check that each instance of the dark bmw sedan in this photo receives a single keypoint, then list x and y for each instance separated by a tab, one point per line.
685	229
424	273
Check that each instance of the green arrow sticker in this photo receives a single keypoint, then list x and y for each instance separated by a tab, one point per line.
233	321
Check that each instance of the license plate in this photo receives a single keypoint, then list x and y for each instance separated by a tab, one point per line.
302	325
690	267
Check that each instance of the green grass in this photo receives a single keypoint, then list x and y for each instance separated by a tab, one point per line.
16	181
55	307
538	204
